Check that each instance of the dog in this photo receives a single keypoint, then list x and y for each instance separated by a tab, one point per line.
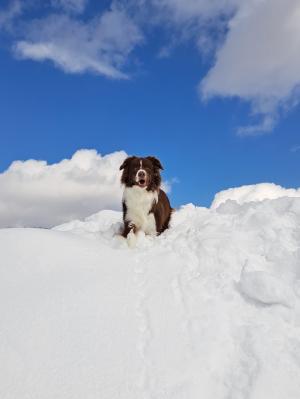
146	206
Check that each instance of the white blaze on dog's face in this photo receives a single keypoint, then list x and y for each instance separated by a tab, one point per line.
142	177
141	172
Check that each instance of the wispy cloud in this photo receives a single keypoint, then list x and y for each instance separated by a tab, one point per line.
73	6
252	46
265	126
7	15
100	45
295	148
167	184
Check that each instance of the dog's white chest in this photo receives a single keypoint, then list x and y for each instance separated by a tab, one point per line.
139	202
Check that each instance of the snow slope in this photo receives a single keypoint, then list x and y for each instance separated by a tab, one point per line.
210	309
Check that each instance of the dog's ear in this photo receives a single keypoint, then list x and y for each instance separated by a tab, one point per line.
156	162
126	162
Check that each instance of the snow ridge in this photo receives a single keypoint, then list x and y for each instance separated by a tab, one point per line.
211	308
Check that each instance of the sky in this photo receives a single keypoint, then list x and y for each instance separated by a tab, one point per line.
209	87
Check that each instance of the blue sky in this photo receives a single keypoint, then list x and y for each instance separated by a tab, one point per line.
48	112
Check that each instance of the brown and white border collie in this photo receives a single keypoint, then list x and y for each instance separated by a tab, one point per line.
146	206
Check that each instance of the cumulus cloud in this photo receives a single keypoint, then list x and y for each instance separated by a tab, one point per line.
36	194
255	192
260	60
100	45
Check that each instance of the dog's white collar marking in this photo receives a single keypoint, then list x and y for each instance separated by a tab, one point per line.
139	202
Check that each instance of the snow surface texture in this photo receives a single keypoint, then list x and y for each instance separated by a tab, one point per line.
210	309
254	192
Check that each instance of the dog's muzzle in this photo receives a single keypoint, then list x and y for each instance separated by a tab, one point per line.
142	178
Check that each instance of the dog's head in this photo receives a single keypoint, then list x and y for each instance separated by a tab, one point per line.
143	172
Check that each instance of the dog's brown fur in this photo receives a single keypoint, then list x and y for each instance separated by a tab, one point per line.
161	209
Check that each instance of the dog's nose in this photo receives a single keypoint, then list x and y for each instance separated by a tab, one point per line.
141	174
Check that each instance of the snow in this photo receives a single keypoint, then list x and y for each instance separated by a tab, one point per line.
266	288
209	309
254	192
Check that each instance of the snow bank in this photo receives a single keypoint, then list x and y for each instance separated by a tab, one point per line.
254	192
210	309
266	288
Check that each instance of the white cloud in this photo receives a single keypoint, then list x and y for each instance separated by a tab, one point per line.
167	184
14	9
255	192
101	45
263	40
34	193
74	6
265	126
253	45
260	59
255	49
178	11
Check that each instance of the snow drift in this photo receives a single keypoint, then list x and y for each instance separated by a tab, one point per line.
210	309
254	192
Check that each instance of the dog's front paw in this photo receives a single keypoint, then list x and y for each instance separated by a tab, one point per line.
131	239
132	227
